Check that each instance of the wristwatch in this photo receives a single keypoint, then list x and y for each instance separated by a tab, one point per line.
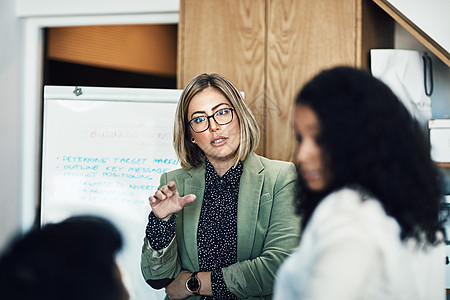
193	284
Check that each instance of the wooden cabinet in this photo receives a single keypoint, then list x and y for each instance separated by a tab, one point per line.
270	48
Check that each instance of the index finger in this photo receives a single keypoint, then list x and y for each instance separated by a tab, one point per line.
172	186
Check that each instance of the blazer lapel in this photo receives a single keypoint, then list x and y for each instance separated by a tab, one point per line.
250	188
191	212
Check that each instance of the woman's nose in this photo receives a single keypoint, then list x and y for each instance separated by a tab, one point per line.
213	126
304	152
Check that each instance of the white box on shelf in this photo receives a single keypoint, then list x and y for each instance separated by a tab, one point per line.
440	139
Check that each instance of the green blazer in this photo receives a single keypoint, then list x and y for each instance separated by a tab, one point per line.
268	228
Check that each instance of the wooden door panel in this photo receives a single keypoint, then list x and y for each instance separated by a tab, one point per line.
225	37
304	37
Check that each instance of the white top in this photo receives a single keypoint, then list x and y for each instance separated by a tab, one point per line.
351	249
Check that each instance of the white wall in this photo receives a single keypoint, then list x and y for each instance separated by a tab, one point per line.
431	16
9	120
93	7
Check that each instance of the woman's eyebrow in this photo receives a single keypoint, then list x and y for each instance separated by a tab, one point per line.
218	105
203	112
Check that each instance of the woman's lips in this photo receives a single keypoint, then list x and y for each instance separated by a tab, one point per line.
311	175
219	141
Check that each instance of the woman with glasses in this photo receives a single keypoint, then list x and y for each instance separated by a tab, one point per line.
222	224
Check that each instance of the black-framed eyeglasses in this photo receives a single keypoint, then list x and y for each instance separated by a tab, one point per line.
222	117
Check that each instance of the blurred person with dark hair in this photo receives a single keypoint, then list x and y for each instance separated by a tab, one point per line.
74	259
369	196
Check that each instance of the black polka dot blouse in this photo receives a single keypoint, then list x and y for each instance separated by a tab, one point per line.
217	229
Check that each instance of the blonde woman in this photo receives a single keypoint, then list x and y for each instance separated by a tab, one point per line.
222	224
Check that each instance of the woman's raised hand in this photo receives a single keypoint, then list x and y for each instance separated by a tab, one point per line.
167	201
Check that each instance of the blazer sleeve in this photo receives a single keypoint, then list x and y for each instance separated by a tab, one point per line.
157	265
255	277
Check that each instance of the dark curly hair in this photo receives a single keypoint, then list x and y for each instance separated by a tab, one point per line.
370	140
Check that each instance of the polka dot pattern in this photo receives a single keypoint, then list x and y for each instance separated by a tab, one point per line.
217	228
159	232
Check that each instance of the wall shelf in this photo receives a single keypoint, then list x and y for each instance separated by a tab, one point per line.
442	164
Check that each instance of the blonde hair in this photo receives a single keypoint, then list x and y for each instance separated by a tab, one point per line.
190	154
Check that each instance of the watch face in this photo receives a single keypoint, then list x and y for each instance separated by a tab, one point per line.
193	284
